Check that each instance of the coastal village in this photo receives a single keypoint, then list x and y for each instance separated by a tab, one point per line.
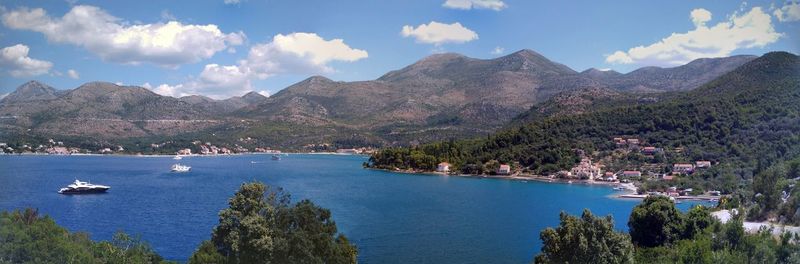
588	171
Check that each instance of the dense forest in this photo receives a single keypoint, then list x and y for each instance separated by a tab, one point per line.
745	121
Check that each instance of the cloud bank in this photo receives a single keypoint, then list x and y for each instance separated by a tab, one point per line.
168	44
750	30
295	53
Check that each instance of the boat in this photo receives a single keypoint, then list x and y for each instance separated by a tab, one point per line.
619	188
177	157
79	187
180	168
276	157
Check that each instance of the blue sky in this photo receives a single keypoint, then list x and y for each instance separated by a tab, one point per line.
222	49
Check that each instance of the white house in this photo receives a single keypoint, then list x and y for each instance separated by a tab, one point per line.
443	167
504	169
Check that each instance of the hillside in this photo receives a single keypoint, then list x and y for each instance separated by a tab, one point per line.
443	96
680	78
449	95
746	119
103	110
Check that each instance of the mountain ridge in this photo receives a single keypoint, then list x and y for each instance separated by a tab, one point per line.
438	97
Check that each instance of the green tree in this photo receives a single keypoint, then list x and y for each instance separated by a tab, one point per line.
698	219
655	222
262	226
27	237
588	239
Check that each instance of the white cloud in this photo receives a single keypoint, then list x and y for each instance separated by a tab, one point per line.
295	53
789	12
497	50
750	30
73	74
167	44
700	16
496	5
439	33
231	2
15	60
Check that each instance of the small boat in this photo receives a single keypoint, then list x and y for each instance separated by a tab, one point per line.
177	157
570	182
180	168
276	157
79	187
619	188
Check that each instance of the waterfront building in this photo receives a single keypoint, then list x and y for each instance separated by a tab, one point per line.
443	167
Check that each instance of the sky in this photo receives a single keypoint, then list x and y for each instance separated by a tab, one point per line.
223	48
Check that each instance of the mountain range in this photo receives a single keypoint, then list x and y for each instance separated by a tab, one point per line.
439	97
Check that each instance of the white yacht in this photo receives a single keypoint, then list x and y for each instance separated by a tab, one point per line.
180	168
177	157
79	187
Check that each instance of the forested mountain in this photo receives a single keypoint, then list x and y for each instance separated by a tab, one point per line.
443	96
748	119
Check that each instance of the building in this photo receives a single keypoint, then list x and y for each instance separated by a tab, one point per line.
504	169
185	151
633	141
682	168
585	170
609	177
347	151
224	150
667	177
703	164
58	151
651	150
632	173
443	167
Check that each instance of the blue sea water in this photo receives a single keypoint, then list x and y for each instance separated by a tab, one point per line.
391	217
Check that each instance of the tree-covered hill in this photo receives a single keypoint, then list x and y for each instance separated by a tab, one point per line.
746	119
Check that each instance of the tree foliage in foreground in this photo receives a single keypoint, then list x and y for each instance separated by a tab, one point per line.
655	222
665	236
262	226
27	237
588	239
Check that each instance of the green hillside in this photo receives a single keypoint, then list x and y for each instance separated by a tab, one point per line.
746	120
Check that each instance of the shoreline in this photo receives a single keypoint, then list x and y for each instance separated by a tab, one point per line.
173	155
629	188
629	191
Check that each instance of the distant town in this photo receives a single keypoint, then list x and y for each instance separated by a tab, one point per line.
197	147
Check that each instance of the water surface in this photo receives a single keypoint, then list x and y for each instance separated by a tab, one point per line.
391	217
